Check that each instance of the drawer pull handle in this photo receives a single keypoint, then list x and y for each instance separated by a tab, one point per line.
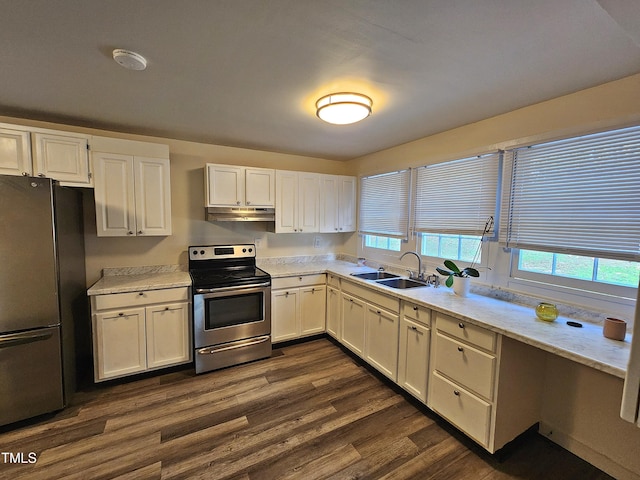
121	314
141	294
456	393
461	325
460	349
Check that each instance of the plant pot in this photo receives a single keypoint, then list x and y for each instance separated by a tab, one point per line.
461	286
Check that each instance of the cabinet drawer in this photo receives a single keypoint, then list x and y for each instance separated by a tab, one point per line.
333	280
298	281
142	298
416	312
466	365
469	413
466	331
371	296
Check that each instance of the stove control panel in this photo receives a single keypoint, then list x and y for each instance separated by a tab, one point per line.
221	252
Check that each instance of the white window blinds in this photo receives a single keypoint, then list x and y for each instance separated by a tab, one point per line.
458	196
579	196
384	204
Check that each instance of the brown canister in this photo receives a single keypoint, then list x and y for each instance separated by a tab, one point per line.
614	328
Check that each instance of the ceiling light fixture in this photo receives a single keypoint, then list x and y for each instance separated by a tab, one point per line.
343	108
129	60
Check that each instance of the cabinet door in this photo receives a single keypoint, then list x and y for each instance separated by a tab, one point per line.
286	201
114	195
224	185
333	312
308	202
284	314
353	318
260	185
312	309
347	204
119	343
381	344
64	158
329	203
167	330
152	187
413	361
15	152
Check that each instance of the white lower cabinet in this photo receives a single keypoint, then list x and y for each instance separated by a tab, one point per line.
353	314
139	331
486	384
370	327
298	306
413	354
333	312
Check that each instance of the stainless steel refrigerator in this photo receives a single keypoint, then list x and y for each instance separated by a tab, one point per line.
42	295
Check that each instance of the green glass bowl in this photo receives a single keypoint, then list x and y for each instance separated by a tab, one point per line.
547	311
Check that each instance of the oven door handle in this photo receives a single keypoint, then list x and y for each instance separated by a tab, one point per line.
237	288
224	348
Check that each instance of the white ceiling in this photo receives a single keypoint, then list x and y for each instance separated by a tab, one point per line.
246	73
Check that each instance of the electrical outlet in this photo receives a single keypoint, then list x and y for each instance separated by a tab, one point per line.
316	242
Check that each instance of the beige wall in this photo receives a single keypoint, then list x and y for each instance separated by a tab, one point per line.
189	225
612	104
580	405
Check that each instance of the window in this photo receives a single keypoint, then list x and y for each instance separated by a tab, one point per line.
577	196
382	243
466	248
573	211
384	205
458	197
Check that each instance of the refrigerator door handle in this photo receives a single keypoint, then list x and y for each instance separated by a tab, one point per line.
15	339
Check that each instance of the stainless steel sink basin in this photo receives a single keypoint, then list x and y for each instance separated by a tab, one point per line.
374	275
402	283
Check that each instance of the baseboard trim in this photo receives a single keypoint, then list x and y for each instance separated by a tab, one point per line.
587	453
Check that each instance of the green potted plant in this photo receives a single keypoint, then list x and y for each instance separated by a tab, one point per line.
454	271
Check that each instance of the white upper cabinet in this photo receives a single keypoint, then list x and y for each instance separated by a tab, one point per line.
297	202
15	152
236	186
337	203
62	157
132	192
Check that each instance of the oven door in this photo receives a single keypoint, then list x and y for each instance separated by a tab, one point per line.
227	314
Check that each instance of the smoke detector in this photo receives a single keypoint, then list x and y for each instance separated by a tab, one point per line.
130	60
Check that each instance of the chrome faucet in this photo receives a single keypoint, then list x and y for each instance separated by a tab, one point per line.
420	272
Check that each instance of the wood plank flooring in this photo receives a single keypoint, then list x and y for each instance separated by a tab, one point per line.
311	411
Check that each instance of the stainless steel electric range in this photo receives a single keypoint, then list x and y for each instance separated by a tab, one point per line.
231	306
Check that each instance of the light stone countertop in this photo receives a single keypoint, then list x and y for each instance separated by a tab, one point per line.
134	279
584	345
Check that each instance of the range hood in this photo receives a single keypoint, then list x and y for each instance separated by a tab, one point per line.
231	214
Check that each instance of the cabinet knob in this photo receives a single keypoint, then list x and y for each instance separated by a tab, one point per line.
461	325
25	174
42	175
141	294
286	294
129	232
121	314
415	309
456	393
238	203
414	328
460	349
336	229
378	312
340	228
248	203
313	290
300	229
166	308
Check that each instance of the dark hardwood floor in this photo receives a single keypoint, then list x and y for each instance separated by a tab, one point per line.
310	411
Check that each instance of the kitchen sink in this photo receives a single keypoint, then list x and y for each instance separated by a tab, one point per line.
374	275
402	283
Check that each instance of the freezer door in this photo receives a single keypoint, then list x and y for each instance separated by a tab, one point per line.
28	277
30	374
